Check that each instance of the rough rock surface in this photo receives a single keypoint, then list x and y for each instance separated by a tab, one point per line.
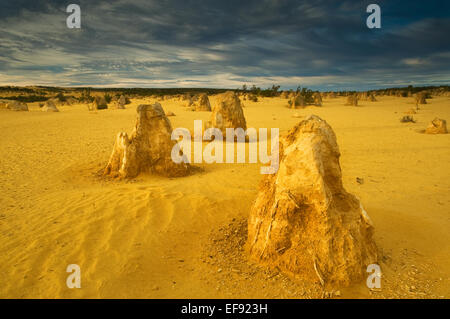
50	106
437	126
119	105
420	98
4	104
303	220
352	100
227	113
317	99
297	101
17	106
188	101
98	104
202	103
121	102
148	149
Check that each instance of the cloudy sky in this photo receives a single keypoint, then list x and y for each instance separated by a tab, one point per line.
224	44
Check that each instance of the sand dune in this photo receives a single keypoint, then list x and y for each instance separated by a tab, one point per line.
155	237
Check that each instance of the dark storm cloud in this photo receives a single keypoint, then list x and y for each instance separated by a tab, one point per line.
321	44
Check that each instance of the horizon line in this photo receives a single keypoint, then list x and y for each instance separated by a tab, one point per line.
215	88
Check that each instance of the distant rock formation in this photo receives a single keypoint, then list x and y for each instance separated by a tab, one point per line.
4	104
352	100
17	106
120	103
202	103
303	220
421	98
98	104
362	96
50	106
227	113
317	99
148	149
188	101
69	101
296	101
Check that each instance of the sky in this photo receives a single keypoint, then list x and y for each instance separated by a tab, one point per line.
322	45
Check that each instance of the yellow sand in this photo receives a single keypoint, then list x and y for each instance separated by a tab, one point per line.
154	237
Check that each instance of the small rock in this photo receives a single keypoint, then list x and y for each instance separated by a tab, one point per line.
437	126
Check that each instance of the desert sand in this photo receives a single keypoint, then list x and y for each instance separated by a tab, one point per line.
158	237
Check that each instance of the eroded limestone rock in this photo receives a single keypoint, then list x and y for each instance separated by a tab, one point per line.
148	149
303	220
